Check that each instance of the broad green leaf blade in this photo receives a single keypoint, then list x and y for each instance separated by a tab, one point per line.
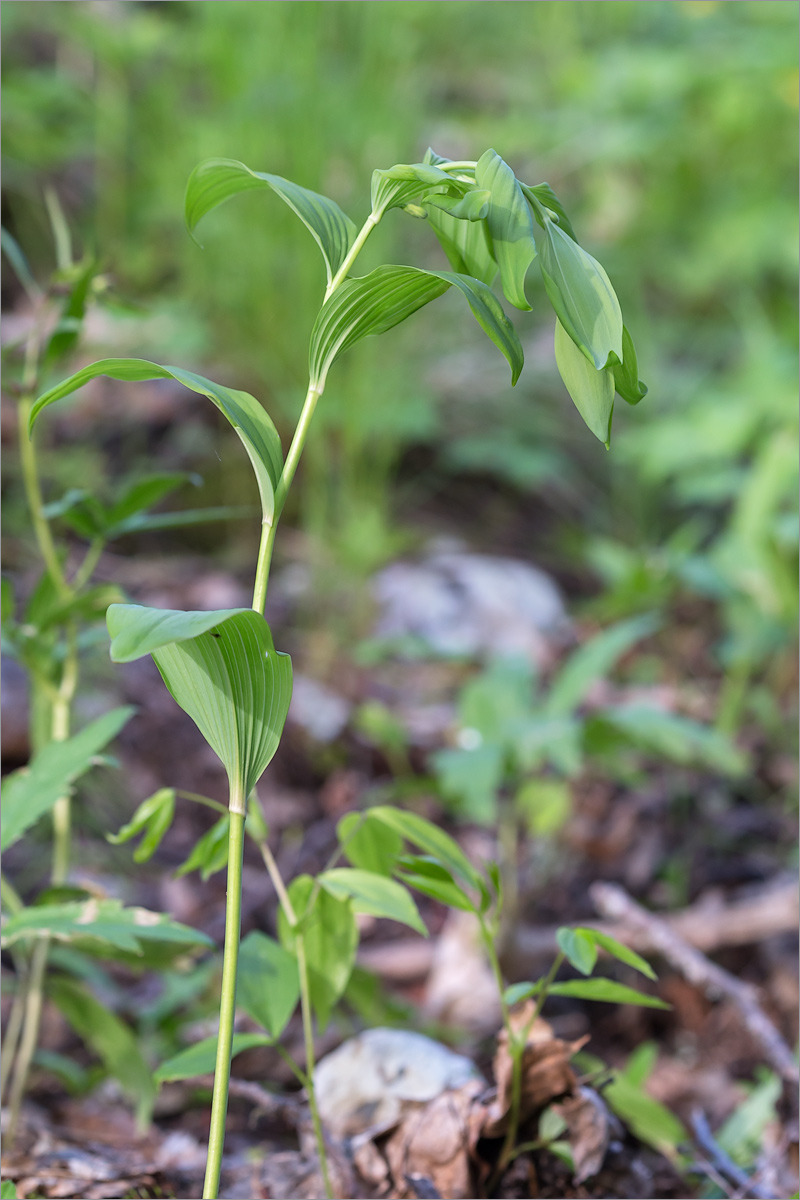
32	791
373	894
579	947
406	182
547	197
626	373
646	1117
582	296
619	950
223	670
606	990
592	391
144	493
201	1058
378	301
153	817
472	206
593	660
268	986
256	431
510	225
331	939
432	879
210	853
467	244
111	1040
218	179
8	1190
368	844
430	839
103	920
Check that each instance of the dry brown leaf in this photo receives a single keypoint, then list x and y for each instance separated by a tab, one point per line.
546	1073
435	1141
461	988
589	1127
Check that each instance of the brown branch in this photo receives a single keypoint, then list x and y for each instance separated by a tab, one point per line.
614	902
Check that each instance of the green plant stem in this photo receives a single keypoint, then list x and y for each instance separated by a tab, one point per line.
30	1033
13	1029
91	559
227	1008
33	494
352	254
305	1004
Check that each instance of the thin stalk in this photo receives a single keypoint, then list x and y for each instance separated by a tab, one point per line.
352	254
30	1033
13	1029
86	569
33	494
227	1008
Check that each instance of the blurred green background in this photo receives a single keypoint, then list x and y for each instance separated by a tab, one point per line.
668	129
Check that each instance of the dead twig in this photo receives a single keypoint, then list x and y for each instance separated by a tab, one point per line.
614	902
723	1162
292	1108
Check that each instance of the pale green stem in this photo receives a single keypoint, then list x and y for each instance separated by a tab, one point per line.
33	493
30	1033
227	1008
13	1030
86	569
352	254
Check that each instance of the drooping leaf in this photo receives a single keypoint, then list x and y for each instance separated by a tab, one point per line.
367	844
373	894
268	985
67	330
430	839
510	225
153	817
548	199
472	206
432	879
593	660
223	670
626	373
256	431
210	853
144	493
645	1116
377	302
618	950
467	244
111	1039
32	791
216	180
102	920
201	1058
330	937
404	183
579	948
592	391
581	295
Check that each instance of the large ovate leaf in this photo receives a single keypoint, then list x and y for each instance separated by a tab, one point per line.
111	1039
256	431
101	920
201	1058
510	225
626	373
218	179
368	844
376	302
268	986
330	937
581	295
32	791
373	894
592	391
223	670
578	947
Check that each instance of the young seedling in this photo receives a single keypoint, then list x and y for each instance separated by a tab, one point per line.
222	667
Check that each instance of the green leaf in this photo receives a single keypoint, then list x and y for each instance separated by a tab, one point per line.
111	1039
510	225
33	790
377	302
430	839
223	670
368	844
472	206
742	1134
592	391
544	805
144	493
594	660
19	264
582	296
548	199
268	985
519	991
579	947
256	431
68	328
210	853
432	879
154	817
618	950
220	178
142	522
649	1120
103	920
330	935
373	894
466	243
626	373
471	779
406	182
678	738
87	606
8	1190
200	1059
607	990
